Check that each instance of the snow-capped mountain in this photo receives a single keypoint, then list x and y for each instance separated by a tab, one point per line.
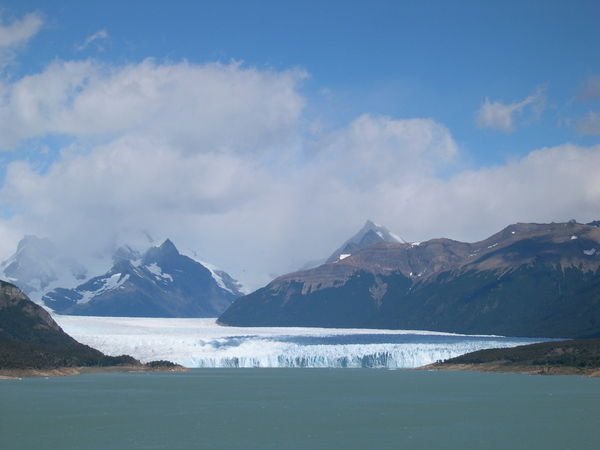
38	265
371	233
159	283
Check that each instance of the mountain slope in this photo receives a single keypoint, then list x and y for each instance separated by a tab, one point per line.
527	280
576	357
161	283
30	339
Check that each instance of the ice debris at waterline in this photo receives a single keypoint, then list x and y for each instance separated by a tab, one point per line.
199	343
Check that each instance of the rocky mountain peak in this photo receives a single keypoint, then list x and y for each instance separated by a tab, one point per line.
168	246
168	249
160	283
371	233
164	252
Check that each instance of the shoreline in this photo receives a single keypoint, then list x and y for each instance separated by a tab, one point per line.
16	374
495	367
523	369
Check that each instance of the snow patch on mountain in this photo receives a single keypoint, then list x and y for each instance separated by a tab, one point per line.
214	272
113	282
161	282
155	270
222	278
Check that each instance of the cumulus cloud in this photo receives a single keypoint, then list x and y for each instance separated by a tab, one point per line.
505	117
589	124
96	39
218	106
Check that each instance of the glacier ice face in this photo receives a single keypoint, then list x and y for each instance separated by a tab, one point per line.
202	343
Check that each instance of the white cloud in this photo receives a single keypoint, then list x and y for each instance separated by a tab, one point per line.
216	106
216	157
589	124
95	38
20	30
506	116
475	203
17	33
384	142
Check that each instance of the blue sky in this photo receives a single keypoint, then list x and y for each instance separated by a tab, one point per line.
404	59
500	80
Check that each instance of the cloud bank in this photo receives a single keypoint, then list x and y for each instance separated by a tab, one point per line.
224	159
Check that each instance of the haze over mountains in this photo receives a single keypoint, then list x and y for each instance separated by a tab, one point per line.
38	264
158	282
526	280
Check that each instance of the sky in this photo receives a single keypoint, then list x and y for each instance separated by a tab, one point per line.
262	134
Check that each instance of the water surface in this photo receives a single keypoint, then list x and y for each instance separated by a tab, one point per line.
301	409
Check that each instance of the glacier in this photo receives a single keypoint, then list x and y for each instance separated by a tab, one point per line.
202	343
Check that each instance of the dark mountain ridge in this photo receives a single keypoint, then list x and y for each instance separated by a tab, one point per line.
31	339
573	357
527	280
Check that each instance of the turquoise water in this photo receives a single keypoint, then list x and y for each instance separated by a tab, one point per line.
301	409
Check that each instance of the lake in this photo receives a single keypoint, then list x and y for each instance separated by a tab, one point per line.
301	409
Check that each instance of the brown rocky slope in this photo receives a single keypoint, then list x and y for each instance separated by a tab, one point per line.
527	280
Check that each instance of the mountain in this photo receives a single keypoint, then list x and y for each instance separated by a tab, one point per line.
527	280
369	234
31	339
160	283
38	264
